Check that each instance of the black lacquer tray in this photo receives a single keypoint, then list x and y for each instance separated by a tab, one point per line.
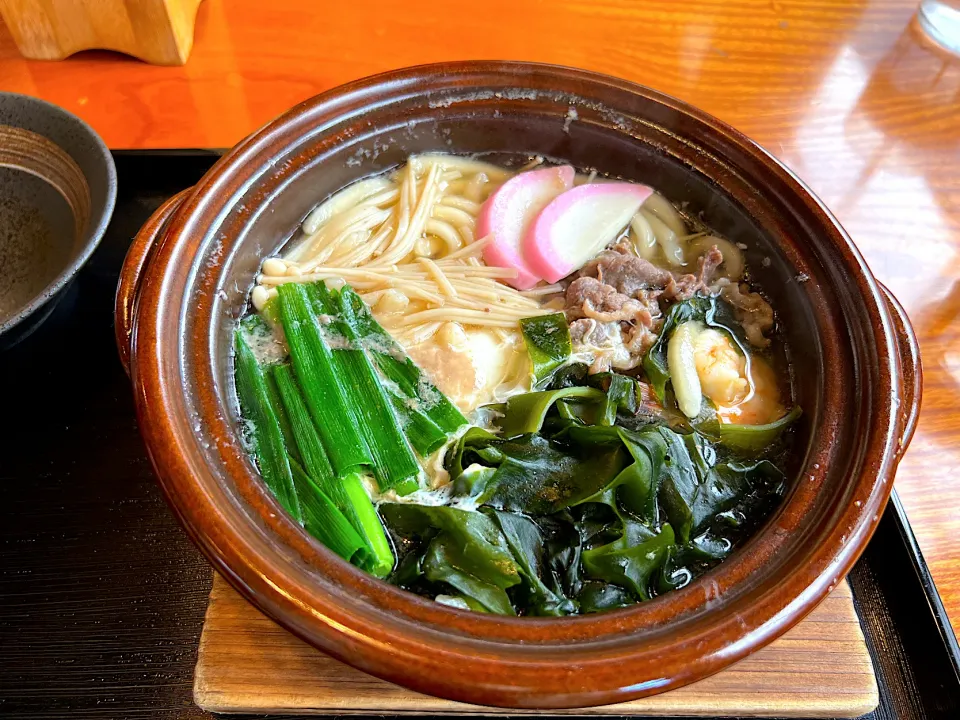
102	596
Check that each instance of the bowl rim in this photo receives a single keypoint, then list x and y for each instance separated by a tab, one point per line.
395	649
97	226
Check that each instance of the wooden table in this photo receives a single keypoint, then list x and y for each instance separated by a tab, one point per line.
848	94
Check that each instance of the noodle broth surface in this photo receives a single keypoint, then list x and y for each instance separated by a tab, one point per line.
406	242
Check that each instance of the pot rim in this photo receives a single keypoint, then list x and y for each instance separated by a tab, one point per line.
342	610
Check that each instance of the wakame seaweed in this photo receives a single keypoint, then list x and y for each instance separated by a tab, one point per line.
576	517
547	338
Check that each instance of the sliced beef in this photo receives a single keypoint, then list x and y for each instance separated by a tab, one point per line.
615	328
612	345
623	246
753	312
638	278
628	274
638	339
588	297
614	304
708	264
685	287
589	332
604	341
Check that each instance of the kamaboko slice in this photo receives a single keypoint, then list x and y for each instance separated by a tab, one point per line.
510	211
577	225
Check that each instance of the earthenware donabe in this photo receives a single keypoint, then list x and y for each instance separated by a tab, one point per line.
857	376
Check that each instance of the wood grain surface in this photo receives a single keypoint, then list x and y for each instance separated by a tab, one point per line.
848	94
158	31
247	663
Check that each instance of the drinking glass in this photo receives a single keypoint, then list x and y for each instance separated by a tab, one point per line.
941	21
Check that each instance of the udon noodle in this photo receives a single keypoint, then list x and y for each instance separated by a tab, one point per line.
407	243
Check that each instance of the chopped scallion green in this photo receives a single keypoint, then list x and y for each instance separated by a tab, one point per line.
394	364
327	400
381	561
394	464
323	519
266	436
346	492
306	439
422	432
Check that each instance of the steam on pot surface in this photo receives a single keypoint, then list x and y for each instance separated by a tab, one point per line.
527	391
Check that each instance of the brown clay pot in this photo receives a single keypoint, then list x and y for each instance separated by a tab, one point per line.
857	376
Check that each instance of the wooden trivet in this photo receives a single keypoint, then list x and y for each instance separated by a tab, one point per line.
248	664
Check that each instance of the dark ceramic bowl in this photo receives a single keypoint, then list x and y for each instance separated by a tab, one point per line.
855	358
44	239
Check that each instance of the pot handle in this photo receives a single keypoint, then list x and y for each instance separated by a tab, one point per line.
131	274
911	371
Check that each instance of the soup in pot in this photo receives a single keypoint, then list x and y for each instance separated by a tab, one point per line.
528	391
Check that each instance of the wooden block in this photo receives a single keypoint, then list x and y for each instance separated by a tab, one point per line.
248	664
158	31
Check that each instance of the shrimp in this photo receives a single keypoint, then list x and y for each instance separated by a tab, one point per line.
763	405
744	389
